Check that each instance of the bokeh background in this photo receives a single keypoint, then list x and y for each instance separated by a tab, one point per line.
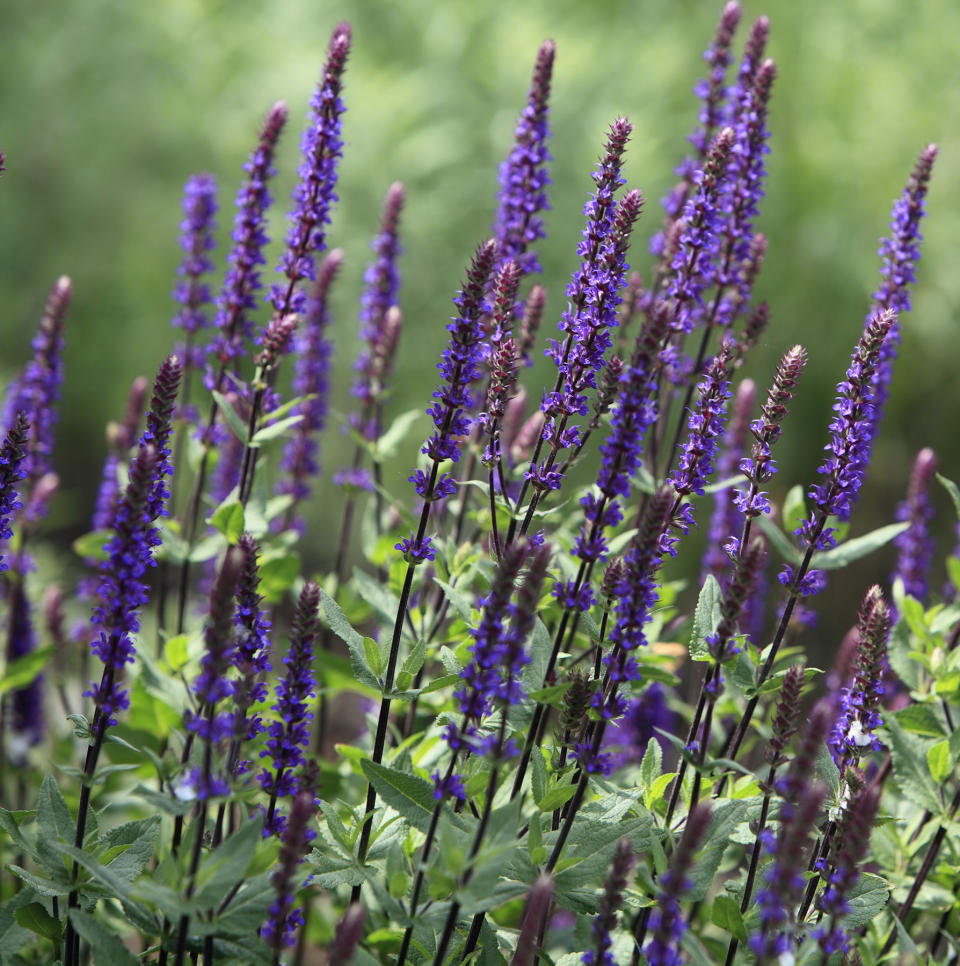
106	106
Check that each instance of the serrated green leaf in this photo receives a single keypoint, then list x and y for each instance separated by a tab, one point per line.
10	823
910	768
375	660
939	761
826	770
407	794
415	659
275	429
92	546
228	519
54	825
230	414
106	947
376	595
557	797
726	914
138	841
866	899
650	769
460	603
706	618
859	547
35	917
228	863
25	670
340	626
726	817
45	885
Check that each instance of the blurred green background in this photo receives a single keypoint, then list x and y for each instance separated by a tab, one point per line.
106	106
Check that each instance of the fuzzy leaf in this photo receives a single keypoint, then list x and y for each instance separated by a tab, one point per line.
460	603
344	630
859	547
24	670
389	442
726	914
867	897
228	863
228	519
36	918
706	618
407	794
952	489
230	414
107	948
266	433
910	767
783	544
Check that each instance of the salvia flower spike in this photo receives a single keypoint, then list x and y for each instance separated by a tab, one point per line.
523	176
315	193
608	906
915	545
242	280
12	457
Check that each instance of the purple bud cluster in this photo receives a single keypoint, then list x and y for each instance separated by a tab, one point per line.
667	922
36	392
858	717
848	453
196	240
314	195
609	905
249	237
251	656
379	335
289	735
915	545
312	349
523	176
900	253
27	718
11	472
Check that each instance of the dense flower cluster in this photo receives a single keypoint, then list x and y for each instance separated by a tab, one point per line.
242	279
608	906
314	194
11	472
915	544
523	176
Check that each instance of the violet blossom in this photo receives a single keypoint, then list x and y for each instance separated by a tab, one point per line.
915	545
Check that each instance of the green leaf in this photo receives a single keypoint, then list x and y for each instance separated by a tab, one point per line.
910	768
794	508
9	823
726	914
706	618
538	774
374	658
230	414
166	803
859	547
389	442
25	670
35	918
92	546
650	769
867	898
826	770
952	489
41	883
415	659
228	519
407	794
54	824
228	863
939	761
107	948
783	544
175	652
556	797
376	595
721	485
266	433
277	575
460	603
726	817
340	626
136	842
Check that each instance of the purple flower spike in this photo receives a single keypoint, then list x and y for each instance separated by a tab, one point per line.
251	657
853	838
915	544
310	377
212	684
290	734
242	280
532	928
853	732
123	589
382	284
322	148
609	905
849	449
281	928
196	240
12	456
530	322
900	253
727	519
348	934
36	391
666	922
27	721
523	176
